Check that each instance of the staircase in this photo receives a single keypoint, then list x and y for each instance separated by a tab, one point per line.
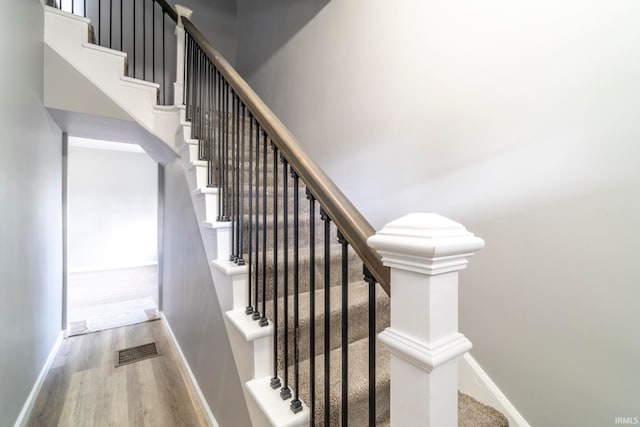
328	300
471	412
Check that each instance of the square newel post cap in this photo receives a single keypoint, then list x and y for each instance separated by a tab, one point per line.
425	243
183	11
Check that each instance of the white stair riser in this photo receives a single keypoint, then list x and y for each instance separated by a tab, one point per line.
206	205
189	152
197	177
165	125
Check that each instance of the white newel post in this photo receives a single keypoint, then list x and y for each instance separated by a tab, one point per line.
178	86
425	253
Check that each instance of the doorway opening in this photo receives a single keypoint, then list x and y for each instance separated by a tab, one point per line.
112	235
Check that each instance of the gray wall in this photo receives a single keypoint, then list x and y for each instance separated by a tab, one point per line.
518	120
31	214
217	21
191	305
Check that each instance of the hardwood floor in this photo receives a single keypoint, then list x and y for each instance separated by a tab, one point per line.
83	388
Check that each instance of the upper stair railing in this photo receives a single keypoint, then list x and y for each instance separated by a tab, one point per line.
246	148
351	223
142	28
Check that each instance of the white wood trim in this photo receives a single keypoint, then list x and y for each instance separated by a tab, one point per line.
425	252
23	417
475	382
211	419
276	410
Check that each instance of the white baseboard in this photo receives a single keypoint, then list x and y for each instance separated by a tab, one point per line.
23	417
211	419
475	382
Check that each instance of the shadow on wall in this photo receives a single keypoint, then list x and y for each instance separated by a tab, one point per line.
262	19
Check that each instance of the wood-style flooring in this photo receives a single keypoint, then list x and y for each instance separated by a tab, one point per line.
83	388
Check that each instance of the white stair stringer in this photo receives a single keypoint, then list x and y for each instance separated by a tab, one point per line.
67	35
250	343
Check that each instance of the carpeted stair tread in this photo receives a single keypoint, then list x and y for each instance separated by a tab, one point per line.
358	316
304	227
304	261
358	380
472	413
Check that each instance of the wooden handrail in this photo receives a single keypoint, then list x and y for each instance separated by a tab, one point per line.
351	223
168	9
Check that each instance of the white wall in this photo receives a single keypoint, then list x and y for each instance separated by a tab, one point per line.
518	120
113	206
31	213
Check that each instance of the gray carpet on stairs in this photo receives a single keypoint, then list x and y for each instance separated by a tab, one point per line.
471	412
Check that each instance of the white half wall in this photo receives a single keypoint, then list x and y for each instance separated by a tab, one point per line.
113	206
30	212
519	120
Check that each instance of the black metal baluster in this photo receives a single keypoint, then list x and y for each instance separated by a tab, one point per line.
263	319
234	236
73	6
85	8
144	40
99	20
206	115
121	39
225	133
327	314
241	173
345	322
222	192
134	39
211	132
194	99
368	277
199	109
185	82
187	77
256	310
200	105
249	309
195	112
164	62
238	165
153	40
285	392
312	306
275	381
110	23
195	124
220	89
296	404
192	88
